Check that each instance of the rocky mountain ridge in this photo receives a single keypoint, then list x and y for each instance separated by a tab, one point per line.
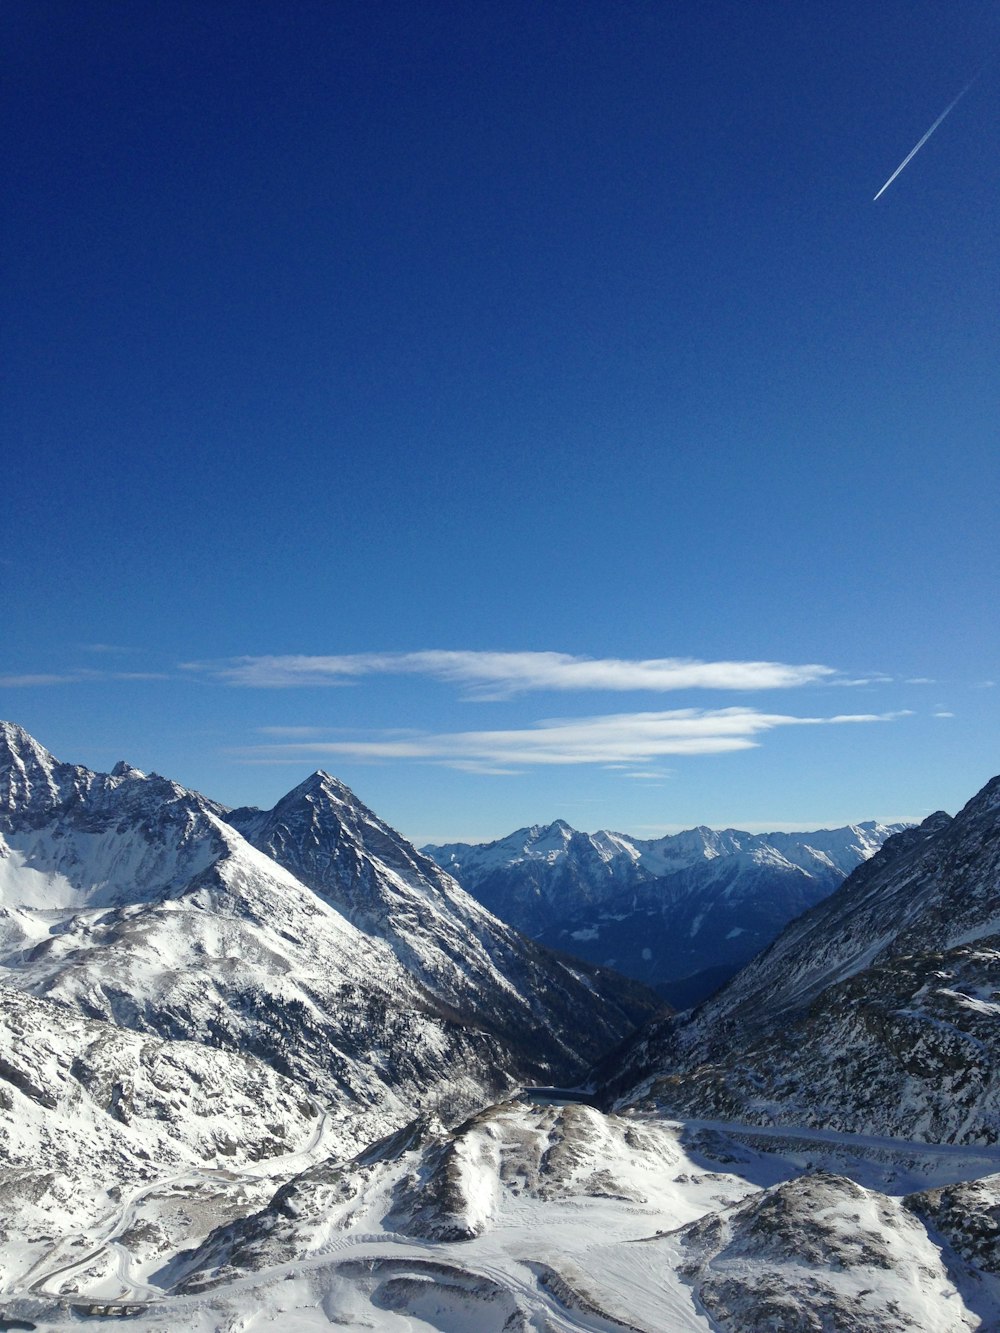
874	1013
132	905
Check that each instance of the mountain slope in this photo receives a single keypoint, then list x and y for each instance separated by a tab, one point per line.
456	949
875	1013
136	902
89	1110
547	1216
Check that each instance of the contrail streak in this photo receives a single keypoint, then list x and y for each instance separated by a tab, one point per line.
916	149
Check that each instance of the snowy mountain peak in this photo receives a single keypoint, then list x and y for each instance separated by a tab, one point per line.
14	739
18	747
322	781
29	775
310	936
320	791
326	833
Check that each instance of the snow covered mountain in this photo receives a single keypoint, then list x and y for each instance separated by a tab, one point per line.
91	1112
129	900
454	948
875	1013
682	913
558	1217
256	1072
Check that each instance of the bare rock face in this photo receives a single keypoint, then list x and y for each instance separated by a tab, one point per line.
966	1216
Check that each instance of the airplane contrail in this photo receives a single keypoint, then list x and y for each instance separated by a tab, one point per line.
916	149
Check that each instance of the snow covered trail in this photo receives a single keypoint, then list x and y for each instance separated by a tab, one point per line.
895	1166
105	1250
110	1265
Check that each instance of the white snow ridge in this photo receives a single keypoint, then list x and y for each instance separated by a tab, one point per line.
277	1070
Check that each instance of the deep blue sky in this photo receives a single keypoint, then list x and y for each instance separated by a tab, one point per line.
378	328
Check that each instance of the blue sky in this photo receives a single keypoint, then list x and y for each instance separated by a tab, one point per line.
388	382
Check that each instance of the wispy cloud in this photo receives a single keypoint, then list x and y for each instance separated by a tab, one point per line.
488	675
875	678
27	679
619	738
35	678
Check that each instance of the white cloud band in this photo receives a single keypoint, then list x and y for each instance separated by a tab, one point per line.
610	739
500	675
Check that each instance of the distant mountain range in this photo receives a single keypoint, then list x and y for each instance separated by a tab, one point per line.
682	913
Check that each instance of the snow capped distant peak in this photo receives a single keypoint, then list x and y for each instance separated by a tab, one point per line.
20	750
322	780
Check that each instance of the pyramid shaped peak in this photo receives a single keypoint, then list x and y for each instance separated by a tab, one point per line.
15	741
323	791
28	773
325	783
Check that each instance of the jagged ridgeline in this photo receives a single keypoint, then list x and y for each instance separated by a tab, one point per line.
682	913
310	939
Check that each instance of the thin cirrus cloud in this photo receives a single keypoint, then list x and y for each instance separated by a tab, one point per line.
27	680
618	738
499	675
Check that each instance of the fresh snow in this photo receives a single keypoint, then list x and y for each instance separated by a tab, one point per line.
575	1221
249	1063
